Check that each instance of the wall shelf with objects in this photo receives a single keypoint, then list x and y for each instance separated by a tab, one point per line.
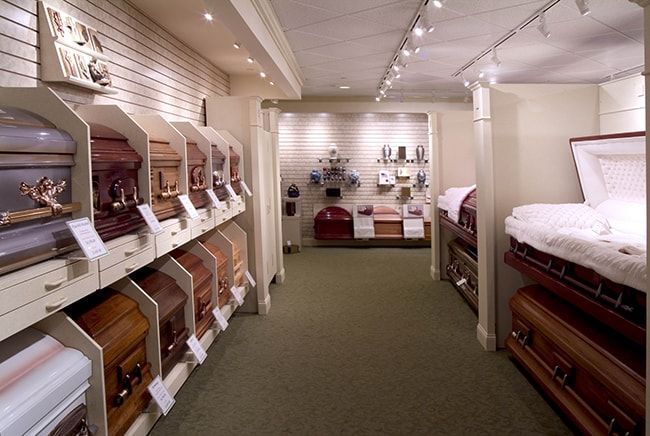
71	52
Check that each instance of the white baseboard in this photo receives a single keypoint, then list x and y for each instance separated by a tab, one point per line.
435	273
487	341
264	307
279	276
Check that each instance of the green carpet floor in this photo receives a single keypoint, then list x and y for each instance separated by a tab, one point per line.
358	341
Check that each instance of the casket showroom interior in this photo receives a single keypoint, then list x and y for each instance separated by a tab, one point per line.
323	217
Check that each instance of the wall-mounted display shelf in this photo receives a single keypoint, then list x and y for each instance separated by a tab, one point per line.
333	159
386	160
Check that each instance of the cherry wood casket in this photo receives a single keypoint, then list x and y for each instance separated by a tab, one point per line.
116	192
462	270
223	293
465	228
388	223
218	173
35	189
165	179
202	283
115	322
171	313
196	172
334	222
595	375
235	178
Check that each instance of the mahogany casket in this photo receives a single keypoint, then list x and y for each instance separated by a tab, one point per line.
35	189
115	322
42	385
223	293
196	162
235	178
333	222
171	313
218	173
165	179
238	264
116	194
465	227
202	283
595	375
388	223
462	270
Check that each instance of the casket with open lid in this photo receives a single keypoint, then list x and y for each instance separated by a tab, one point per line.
40	381
35	189
165	179
223	293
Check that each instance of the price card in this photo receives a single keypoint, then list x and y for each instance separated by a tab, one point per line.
250	278
91	244
213	197
235	293
221	320
150	219
197	349
189	207
461	282
232	193
246	190
161	395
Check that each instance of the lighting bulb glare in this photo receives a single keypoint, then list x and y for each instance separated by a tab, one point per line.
416	50
344	87
388	82
398	76
396	67
406	52
418	31
237	45
481	75
262	74
271	83
208	16
437	3
377	98
250	60
430	28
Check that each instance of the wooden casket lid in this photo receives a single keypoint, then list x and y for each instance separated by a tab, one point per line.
25	132
234	157
108	145
386	214
112	319
217	155
160	150
470	200
194	155
216	252
163	289
332	213
193	264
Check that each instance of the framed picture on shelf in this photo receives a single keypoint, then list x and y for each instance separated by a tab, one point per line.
69	63
83	35
82	65
94	39
57	22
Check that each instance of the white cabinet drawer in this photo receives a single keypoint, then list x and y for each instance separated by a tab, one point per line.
46	283
168	242
123	248
203	225
127	266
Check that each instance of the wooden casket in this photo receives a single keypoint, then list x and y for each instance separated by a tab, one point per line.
218	173
388	223
165	179
465	228
116	194
334	222
462	270
202	283
171	314
35	189
235	178
223	292
595	375
41	383
238	265
115	322
196	172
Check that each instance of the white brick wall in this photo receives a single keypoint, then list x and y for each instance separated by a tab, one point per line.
305	137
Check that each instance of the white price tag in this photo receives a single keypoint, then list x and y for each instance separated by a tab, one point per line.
235	293
232	193
150	219
213	197
250	279
197	349
461	282
189	207
161	395
91	244
221	320
246	190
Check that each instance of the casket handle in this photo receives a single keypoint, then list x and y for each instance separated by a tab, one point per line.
57	304
49	286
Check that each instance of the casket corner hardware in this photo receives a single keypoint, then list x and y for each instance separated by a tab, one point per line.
44	192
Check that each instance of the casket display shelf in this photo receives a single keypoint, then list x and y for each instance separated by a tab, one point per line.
465	228
462	270
590	372
219	150
388	223
334	222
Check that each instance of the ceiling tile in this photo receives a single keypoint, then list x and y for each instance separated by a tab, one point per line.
463	28
508	18
302	40
377	60
382	41
306	59
293	14
470	7
617	14
343	50
346	28
397	15
347	7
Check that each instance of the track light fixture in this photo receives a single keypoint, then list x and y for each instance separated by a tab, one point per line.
388	82
398	75
382	92
542	27
416	50
481	74
406	51
418	31
395	67
583	7
465	81
495	58
237	45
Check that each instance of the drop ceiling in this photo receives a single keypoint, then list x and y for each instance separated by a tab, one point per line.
345	42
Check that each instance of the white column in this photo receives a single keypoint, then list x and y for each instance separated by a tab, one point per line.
434	189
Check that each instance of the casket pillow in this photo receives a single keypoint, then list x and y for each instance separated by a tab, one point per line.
624	216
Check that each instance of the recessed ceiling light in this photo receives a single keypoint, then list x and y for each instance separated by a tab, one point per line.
437	3
237	45
377	98
250	60
262	74
208	16
344	87
271	83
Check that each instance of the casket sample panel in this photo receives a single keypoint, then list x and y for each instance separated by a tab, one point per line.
116	192
223	292
171	314
202	289
196	173
116	323
165	179
35	193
